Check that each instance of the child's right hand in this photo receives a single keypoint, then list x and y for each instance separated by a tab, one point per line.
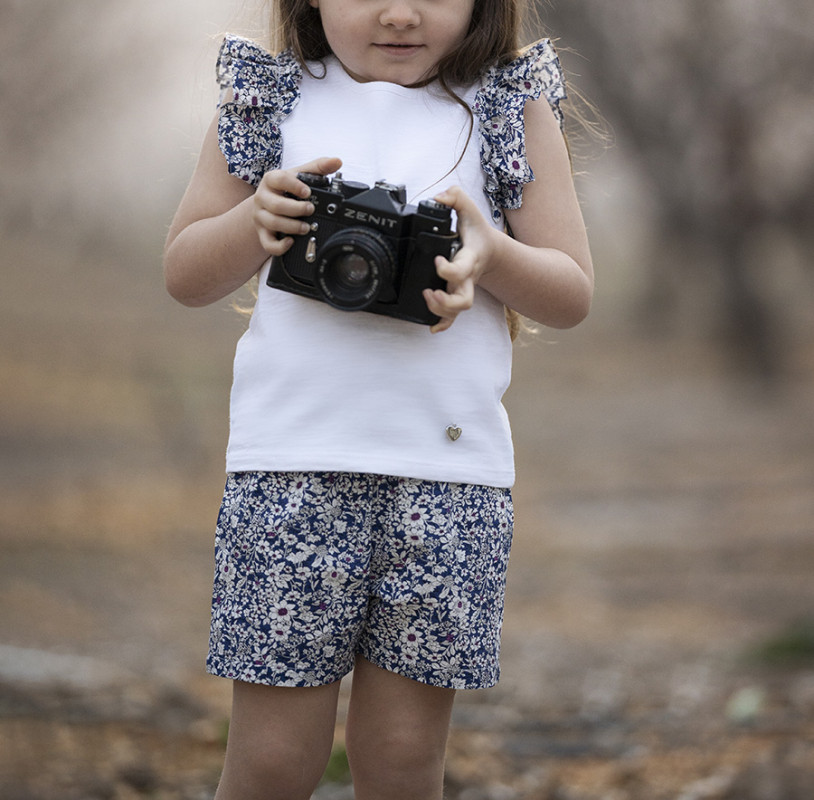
281	201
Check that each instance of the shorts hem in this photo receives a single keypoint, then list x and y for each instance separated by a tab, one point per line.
459	682
266	678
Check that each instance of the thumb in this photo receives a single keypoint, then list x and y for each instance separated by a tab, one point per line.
322	166
454	197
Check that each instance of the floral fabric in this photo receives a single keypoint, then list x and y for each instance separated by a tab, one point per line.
499	107
314	568
266	88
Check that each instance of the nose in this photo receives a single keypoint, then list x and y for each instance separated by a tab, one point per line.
400	14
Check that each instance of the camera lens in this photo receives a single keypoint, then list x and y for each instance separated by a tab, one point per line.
354	266
352	271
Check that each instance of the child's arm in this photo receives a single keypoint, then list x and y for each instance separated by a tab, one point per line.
545	273
224	230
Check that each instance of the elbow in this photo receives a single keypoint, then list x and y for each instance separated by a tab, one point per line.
178	277
176	289
182	281
180	288
188	300
573	308
578	310
185	296
570	318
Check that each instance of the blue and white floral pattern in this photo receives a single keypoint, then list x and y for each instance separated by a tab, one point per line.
266	88
499	107
314	568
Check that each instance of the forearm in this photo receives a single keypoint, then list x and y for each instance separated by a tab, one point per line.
544	284
212	257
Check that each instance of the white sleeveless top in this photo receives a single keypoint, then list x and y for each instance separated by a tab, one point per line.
318	389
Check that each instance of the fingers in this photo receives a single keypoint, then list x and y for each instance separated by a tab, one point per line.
458	273
322	166
480	243
445	306
277	217
281	202
454	197
459	295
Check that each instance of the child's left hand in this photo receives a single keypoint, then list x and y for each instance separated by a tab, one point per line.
464	272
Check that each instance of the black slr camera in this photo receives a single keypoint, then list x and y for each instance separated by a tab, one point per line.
367	250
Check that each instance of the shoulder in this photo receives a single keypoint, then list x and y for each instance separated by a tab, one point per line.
534	73
258	90
500	105
255	76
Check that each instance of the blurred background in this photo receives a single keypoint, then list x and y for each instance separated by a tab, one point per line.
659	639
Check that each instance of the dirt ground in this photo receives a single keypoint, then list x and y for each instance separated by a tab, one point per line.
659	636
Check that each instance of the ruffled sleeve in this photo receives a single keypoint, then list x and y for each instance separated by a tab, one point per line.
499	107
264	90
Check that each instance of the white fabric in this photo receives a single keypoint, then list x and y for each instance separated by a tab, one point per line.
320	389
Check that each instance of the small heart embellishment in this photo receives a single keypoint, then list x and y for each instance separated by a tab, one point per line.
454	433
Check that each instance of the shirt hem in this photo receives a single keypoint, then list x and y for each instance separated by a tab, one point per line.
502	479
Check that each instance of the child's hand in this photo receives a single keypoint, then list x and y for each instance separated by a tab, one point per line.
464	272
277	209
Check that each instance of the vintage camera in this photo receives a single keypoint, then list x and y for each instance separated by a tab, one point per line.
367	250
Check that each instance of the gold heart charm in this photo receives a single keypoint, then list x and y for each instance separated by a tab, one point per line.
454	433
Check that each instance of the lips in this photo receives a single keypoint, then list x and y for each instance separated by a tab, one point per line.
397	48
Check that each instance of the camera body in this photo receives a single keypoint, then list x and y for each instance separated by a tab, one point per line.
367	249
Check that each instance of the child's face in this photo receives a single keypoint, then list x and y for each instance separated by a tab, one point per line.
399	41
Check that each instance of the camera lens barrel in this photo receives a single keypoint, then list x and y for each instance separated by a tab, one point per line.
354	266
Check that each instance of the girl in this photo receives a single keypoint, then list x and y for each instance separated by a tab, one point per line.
367	517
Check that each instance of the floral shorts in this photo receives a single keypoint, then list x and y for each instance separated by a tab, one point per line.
313	569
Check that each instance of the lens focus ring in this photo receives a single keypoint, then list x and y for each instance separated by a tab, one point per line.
353	266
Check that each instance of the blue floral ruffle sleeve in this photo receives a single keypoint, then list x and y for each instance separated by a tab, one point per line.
265	89
499	108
